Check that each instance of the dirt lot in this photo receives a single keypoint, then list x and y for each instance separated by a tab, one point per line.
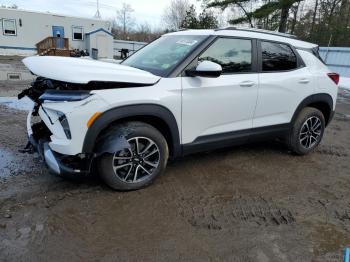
251	203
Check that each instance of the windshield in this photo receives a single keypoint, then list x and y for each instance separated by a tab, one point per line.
163	55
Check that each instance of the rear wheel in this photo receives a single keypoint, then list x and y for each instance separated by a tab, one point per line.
137	166
307	131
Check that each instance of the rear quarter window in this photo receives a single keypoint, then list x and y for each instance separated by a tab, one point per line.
277	57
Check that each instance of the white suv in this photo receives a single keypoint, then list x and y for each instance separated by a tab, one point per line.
186	92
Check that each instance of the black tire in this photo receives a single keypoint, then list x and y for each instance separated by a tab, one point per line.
302	139
136	133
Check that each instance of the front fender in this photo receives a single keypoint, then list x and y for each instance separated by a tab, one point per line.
140	110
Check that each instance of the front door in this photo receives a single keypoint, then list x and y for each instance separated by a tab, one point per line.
58	31
214	107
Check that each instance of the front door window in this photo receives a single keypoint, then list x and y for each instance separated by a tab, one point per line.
234	55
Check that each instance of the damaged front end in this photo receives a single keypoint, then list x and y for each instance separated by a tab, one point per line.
47	123
66	102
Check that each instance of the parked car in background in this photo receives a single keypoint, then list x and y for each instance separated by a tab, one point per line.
186	92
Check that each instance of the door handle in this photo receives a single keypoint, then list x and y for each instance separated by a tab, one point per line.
304	81
247	84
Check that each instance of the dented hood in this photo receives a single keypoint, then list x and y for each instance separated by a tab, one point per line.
83	71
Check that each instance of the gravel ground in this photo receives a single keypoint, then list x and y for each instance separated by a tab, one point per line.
251	203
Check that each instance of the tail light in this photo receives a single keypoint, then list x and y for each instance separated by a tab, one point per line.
335	77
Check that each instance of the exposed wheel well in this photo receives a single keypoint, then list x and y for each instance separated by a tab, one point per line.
322	102
154	121
324	108
156	115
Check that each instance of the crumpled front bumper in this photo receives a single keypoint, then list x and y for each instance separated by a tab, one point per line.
52	159
56	166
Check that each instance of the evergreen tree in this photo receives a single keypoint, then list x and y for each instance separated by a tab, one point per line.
269	8
205	20
190	20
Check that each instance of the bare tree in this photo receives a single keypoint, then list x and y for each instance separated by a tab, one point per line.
14	6
124	19
143	32
175	13
295	10
314	16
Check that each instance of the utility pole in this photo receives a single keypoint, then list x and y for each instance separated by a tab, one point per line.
98	14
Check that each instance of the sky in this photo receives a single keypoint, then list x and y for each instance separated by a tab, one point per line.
149	11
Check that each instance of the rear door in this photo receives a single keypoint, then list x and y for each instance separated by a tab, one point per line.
215	107
284	81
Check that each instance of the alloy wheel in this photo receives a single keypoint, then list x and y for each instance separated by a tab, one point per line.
310	132
137	163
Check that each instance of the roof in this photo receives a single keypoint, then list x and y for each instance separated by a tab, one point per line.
49	13
258	30
99	30
245	32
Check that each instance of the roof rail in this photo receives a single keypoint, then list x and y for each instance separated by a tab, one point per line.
256	30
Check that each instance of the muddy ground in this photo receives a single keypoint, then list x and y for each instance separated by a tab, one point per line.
245	204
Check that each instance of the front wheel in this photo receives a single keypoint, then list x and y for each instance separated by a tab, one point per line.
307	131
138	165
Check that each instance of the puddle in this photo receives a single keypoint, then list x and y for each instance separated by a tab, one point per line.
25	104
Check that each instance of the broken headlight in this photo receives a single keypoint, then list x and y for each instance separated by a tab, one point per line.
65	125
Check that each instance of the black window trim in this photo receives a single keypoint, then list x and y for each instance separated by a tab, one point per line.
254	69
179	69
314	51
188	61
300	62
3	27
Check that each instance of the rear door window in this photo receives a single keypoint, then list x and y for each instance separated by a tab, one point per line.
277	57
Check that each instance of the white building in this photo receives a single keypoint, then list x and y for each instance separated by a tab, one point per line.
21	30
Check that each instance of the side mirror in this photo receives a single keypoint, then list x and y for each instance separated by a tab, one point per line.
206	69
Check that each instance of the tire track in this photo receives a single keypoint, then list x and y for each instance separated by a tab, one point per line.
224	212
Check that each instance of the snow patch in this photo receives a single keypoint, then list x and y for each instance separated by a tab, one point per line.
25	104
344	83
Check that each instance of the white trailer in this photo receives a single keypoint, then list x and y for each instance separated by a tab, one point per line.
21	30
